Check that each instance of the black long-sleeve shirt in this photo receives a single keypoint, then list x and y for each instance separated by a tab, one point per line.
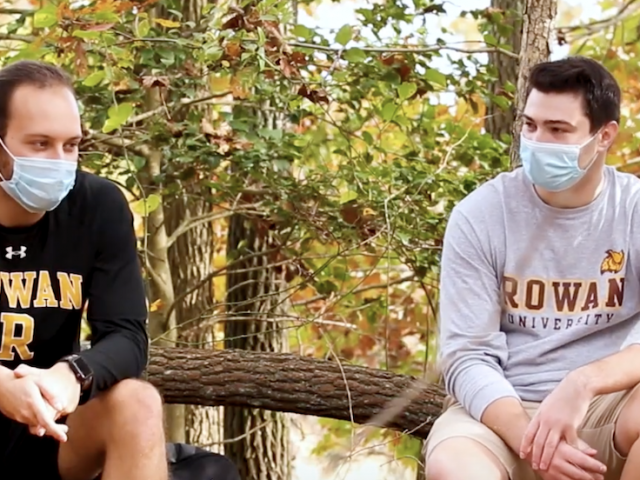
83	253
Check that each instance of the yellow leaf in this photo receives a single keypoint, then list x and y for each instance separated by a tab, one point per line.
219	83
155	306
167	23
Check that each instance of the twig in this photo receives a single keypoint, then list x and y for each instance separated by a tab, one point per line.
406	278
412	49
192	222
240	437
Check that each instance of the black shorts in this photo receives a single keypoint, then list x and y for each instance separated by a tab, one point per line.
26	456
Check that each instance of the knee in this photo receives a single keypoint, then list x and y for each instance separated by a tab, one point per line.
628	424
135	401
444	462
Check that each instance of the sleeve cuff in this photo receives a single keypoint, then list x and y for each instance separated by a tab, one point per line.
487	394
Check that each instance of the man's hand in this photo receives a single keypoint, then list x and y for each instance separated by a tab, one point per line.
571	463
22	401
557	418
58	385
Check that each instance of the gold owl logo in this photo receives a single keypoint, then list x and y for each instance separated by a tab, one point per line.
613	262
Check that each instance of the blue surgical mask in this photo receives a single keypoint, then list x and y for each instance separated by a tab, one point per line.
39	184
553	166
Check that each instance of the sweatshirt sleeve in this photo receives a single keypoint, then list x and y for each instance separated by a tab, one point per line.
117	308
472	349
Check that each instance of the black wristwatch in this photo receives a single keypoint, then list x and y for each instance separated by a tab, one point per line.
81	370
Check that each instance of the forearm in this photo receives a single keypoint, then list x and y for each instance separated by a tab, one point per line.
611	374
116	357
508	419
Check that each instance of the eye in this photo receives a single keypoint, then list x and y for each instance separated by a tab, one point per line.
40	144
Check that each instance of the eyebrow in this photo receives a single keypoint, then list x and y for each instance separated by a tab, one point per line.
550	122
42	135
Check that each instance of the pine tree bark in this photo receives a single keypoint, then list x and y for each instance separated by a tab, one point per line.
537	22
190	259
499	122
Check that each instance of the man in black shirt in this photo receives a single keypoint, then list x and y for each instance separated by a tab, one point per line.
66	241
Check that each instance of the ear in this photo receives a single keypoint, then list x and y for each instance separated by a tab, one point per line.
607	135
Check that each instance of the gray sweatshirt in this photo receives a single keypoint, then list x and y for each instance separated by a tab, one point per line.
529	292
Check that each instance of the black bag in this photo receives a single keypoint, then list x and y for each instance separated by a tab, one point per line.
187	462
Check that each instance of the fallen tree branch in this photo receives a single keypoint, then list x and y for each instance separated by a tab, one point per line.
290	383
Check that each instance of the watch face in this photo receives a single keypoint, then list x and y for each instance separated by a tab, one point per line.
83	367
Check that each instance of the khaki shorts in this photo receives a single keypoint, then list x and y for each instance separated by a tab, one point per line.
597	430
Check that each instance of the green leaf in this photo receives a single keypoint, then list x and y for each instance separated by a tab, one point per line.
87	34
94	79
355	55
45	17
143	28
117	116
435	77
275	134
106	16
145	206
366	136
348	195
303	32
406	90
326	287
344	35
388	111
490	39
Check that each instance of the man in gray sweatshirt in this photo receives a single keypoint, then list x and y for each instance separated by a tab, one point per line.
540	280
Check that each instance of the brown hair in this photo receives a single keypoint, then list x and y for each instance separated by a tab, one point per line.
588	78
27	72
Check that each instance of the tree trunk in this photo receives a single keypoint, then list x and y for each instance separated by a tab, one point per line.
290	383
257	439
161	332
499	122
537	21
191	260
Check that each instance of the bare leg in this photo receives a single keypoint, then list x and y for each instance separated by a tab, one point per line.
120	434
461	458
632	465
627	436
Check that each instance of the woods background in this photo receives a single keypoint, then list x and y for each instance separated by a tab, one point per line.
291	165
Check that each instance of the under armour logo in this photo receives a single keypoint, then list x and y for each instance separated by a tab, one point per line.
22	252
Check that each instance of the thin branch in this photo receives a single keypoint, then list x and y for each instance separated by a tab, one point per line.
406	278
212	275
118	142
183	102
241	437
192	222
413	49
598	25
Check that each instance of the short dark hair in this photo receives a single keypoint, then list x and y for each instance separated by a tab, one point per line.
27	72
586	77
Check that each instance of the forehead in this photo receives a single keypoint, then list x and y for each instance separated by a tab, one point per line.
48	111
565	107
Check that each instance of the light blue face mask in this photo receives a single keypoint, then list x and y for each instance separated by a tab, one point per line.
553	166
39	184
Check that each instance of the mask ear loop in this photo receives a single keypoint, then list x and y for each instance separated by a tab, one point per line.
595	155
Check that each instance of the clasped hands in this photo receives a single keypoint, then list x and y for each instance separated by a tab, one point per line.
38	397
551	443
